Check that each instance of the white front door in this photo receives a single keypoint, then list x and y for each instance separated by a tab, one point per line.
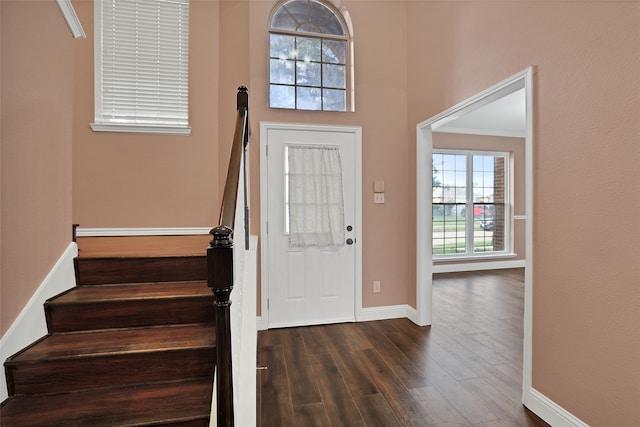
314	282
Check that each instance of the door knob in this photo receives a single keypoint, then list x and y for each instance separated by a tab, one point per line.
349	241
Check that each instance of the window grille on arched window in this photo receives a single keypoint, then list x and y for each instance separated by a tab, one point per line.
309	57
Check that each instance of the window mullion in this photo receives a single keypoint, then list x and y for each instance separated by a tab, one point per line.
469	224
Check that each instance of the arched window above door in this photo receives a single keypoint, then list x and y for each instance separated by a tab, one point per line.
309	57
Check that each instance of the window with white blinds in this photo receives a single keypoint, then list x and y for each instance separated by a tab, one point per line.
141	58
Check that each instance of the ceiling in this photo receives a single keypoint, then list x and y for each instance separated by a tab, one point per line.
505	116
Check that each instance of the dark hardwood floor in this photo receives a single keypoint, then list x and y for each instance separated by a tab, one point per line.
464	370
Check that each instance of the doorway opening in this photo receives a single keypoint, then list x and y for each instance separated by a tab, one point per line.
452	118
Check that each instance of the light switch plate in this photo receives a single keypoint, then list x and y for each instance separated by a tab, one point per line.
378	186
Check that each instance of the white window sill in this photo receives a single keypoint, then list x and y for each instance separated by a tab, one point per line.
474	257
152	129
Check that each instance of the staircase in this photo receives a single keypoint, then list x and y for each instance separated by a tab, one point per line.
132	344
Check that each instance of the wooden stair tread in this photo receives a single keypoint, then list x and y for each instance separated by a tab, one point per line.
133	291
149	404
143	246
74	345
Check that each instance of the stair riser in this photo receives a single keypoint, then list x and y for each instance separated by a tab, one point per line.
125	314
80	373
98	271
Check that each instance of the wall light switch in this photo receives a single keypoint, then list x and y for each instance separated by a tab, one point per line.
378	197
376	286
378	186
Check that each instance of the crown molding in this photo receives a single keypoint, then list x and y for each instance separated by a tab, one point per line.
71	17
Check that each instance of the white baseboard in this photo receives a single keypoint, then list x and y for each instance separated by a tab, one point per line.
551	412
116	232
477	266
365	315
412	314
31	324
261	323
384	312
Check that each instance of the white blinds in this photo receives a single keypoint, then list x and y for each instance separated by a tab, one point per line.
142	74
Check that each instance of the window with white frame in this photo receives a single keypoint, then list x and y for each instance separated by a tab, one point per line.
470	203
141	66
309	57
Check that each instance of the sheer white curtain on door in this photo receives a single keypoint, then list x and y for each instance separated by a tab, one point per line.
315	196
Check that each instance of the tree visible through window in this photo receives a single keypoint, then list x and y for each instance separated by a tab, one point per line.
470	203
308	59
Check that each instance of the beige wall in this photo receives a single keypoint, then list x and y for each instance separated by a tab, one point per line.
36	148
586	321
136	180
515	148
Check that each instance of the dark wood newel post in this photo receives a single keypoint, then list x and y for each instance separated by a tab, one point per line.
220	280
220	262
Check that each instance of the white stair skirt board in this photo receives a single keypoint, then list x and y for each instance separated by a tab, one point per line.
31	325
244	334
550	411
117	232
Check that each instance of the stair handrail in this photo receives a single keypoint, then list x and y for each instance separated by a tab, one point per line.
220	264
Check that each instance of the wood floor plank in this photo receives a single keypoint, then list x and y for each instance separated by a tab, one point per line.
406	371
354	374
450	362
339	403
355	337
400	400
343	340
376	411
313	415
513	414
464	401
270	337
275	408
440	410
302	382
314	340
337	339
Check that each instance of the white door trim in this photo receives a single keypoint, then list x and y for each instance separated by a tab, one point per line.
264	253
523	79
